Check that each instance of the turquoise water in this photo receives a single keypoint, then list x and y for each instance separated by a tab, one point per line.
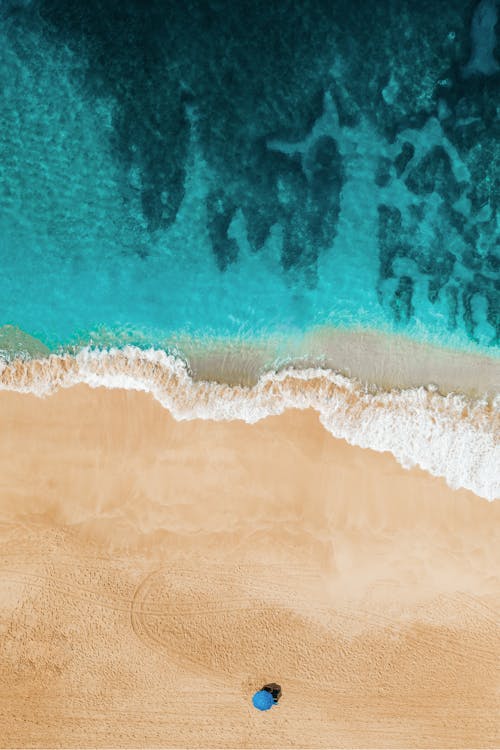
243	171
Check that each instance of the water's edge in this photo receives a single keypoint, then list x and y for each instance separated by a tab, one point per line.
373	357
452	436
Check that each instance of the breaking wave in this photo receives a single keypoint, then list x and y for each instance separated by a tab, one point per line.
448	436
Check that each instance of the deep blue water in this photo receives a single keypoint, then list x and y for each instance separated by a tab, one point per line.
242	169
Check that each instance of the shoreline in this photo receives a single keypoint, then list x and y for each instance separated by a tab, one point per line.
156	572
449	436
376	359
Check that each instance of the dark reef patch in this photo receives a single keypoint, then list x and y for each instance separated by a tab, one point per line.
383	173
389	237
253	71
434	173
325	180
401	302
220	214
404	157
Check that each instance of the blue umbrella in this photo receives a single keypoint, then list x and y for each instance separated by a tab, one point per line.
263	700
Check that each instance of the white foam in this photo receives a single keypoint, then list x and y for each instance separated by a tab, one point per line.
449	436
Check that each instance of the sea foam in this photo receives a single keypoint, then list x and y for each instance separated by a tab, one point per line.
448	436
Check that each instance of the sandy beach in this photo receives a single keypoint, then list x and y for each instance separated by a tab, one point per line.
155	574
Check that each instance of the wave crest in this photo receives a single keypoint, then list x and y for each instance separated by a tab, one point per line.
448	436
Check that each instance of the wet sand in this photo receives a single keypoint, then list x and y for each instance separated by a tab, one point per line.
154	574
372	357
376	359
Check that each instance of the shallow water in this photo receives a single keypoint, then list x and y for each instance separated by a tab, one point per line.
246	171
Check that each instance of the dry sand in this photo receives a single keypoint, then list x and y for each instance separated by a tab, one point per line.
154	574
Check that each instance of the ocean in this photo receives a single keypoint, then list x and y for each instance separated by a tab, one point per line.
251	172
